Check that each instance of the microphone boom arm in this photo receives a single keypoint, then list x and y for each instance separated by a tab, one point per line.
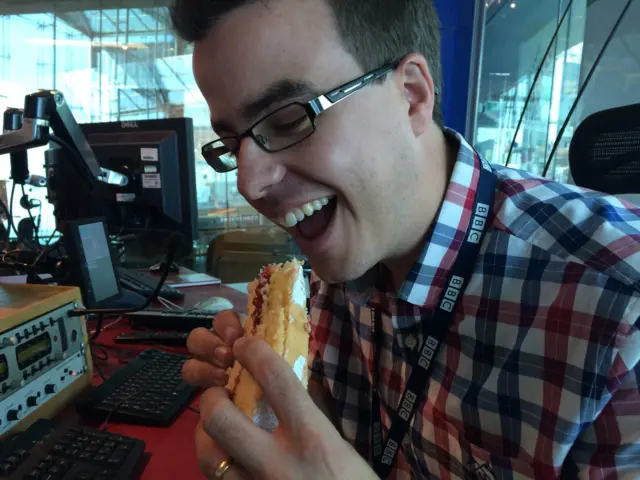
48	110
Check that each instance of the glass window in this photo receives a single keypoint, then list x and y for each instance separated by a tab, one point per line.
112	64
517	35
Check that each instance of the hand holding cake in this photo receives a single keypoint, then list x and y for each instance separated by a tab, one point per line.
266	387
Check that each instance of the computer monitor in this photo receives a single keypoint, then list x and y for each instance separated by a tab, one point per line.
158	158
91	263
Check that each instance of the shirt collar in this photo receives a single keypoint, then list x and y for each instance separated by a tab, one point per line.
426	279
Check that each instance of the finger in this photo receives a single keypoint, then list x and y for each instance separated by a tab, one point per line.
282	388
210	456
233	431
228	325
209	347
202	374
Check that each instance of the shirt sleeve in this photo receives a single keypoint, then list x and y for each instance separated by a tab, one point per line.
609	448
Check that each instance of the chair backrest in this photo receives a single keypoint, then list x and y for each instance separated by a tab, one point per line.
238	255
605	151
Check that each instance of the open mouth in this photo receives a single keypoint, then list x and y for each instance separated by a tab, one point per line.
312	219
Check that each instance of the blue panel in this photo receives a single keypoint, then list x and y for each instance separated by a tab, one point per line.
456	18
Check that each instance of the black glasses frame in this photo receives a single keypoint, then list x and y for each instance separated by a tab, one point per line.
313	108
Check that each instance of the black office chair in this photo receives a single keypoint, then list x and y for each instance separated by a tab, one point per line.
605	151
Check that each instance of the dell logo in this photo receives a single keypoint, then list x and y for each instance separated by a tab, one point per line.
129	124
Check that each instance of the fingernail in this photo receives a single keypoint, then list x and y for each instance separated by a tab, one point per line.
221	354
228	335
241	342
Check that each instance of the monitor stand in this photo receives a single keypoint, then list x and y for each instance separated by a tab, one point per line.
128	299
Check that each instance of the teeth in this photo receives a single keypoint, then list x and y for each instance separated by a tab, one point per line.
289	220
308	209
296	215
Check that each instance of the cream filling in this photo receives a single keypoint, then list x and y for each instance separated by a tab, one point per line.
298	367
299	289
296	215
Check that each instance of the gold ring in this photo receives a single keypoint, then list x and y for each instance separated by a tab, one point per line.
224	467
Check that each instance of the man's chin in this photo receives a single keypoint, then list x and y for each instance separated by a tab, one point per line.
336	271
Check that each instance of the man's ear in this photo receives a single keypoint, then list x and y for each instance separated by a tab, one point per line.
419	91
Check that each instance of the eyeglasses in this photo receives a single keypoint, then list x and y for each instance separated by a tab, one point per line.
286	126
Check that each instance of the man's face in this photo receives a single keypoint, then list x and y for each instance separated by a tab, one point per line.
361	161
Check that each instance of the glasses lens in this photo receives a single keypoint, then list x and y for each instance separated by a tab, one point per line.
219	154
283	128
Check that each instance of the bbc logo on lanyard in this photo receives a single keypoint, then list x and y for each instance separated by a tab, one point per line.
478	222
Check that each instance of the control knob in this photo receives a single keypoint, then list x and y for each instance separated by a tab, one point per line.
13	415
7	342
32	401
49	389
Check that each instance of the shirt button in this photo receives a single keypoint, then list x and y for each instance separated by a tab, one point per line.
410	342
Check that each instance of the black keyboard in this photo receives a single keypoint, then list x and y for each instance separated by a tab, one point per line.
145	284
165	319
170	337
51	450
147	391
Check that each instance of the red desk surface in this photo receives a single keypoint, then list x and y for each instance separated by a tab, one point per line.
170	452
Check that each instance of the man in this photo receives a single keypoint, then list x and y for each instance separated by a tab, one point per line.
468	321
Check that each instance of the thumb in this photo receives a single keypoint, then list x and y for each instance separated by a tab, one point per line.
284	392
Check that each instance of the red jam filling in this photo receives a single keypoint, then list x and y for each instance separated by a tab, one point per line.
258	298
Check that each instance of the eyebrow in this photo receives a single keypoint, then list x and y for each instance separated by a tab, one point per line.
276	93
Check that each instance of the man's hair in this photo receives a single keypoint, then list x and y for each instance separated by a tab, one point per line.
375	32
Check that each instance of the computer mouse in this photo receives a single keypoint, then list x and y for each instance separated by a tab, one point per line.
214	305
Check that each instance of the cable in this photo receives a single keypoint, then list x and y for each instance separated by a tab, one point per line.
110	325
535	80
10	212
64	144
97	367
10	221
195	410
59	141
105	424
55	230
169	304
174	244
95	347
98	327
584	86
33	221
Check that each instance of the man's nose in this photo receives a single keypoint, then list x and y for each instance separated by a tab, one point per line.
258	170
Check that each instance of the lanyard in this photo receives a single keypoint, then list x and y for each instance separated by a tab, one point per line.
435	327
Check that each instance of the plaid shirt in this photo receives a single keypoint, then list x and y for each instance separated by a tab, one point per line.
539	376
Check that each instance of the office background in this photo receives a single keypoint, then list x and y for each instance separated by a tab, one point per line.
119	61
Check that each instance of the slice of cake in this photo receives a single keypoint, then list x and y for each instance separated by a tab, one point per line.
277	313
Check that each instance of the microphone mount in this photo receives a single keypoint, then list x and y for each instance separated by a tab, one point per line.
46	112
47	119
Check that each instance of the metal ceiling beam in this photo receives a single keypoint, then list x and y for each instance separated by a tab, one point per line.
77	20
8	7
